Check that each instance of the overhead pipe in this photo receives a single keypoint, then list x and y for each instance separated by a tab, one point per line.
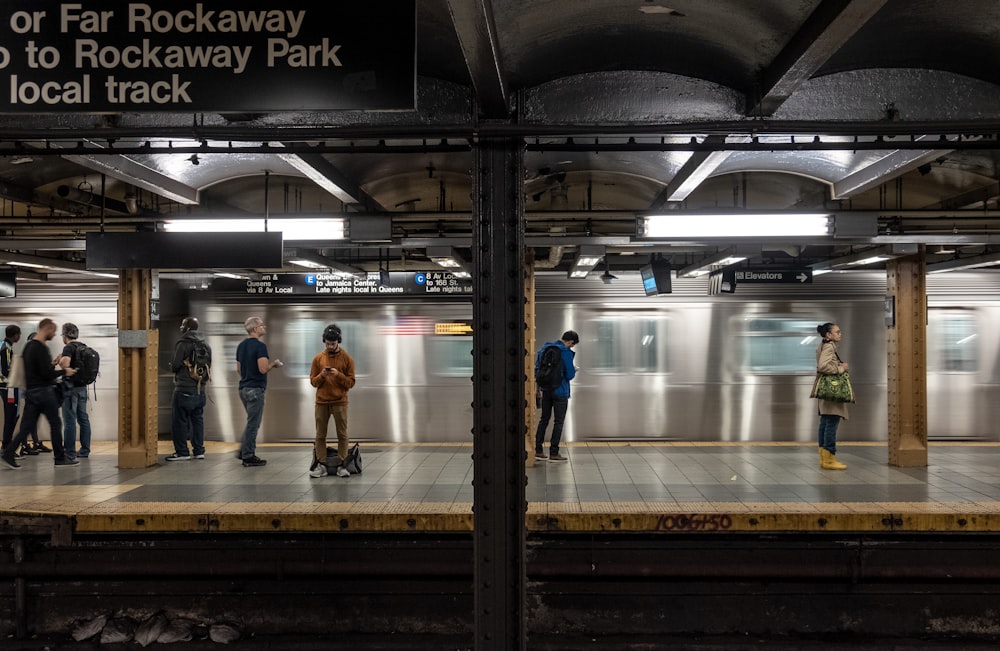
90	199
559	201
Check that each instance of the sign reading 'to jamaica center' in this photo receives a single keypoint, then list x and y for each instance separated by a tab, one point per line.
218	56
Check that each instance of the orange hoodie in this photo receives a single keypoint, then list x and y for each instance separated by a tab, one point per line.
332	389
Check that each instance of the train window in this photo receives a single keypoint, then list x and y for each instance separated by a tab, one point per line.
779	345
451	355
952	341
305	340
651	338
602	352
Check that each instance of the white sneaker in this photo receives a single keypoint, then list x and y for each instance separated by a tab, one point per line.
318	471
342	472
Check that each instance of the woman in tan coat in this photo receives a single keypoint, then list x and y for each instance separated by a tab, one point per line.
830	413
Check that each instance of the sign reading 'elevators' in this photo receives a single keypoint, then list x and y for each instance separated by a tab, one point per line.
216	56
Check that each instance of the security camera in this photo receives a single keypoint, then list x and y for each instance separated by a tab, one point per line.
607	278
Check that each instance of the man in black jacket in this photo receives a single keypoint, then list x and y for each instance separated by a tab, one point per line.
188	404
40	374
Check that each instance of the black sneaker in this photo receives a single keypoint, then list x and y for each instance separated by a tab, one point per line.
178	457
28	451
10	462
41	447
67	462
253	461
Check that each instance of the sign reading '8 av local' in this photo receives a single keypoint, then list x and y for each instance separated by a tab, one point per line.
216	56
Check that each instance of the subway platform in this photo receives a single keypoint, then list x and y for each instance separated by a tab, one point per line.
643	487
628	545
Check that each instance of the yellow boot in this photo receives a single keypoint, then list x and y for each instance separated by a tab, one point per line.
828	461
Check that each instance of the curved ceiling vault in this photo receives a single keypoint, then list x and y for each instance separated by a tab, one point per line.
607	96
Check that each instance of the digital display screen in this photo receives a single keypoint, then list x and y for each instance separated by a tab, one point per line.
656	278
648	280
8	283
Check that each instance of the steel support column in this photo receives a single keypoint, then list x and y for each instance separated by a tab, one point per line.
498	395
137	371
906	348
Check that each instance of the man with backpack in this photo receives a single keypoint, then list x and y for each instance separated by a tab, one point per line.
553	371
76	355
192	369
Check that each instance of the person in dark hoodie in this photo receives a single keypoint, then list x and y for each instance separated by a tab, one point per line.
188	403
555	400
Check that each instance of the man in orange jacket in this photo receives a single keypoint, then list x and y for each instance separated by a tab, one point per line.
332	373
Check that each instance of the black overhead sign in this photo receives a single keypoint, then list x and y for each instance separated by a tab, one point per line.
215	56
183	250
330	285
796	276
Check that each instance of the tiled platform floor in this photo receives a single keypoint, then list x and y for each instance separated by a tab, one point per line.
605	486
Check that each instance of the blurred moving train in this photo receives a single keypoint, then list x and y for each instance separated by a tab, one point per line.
684	366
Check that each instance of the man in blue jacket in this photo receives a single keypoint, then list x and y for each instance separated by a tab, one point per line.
555	398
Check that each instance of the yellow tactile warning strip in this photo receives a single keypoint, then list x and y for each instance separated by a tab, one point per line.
99	508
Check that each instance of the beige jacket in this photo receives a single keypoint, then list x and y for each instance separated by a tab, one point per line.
828	364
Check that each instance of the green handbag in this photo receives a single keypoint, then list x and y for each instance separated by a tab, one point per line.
835	388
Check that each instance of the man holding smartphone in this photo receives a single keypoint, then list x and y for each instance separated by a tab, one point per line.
332	373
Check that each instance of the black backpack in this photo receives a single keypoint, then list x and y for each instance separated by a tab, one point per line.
87	364
549	374
198	363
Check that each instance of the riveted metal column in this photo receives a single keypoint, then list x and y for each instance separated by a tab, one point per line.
138	348
498	395
906	351
530	409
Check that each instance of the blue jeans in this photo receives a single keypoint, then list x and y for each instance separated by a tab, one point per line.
74	410
253	402
551	403
39	400
188	422
828	424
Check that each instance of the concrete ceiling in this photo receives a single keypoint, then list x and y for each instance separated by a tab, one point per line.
886	106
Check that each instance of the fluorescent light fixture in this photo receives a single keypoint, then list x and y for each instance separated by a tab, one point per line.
308	264
586	259
686	225
223	274
860	259
447	258
317	262
290	228
870	260
972	262
39	262
723	258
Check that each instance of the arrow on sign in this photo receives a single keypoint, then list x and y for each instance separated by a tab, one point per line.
802	278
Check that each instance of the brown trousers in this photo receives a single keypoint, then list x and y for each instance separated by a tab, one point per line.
339	413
